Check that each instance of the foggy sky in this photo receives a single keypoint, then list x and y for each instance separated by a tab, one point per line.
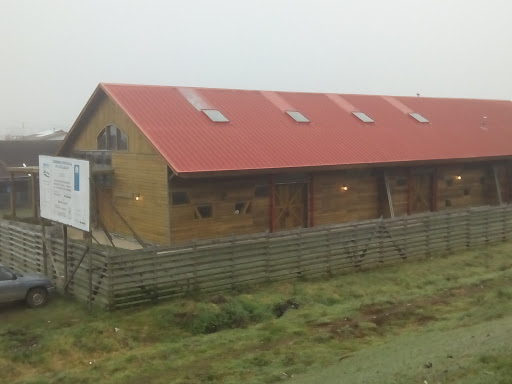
54	53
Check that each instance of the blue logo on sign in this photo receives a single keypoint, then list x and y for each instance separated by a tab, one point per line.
77	177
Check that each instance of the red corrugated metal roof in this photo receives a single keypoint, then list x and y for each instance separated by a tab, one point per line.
260	135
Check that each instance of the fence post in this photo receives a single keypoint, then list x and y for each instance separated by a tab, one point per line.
1	241
89	244
267	256
299	254
110	278
468	228
380	238
427	236
194	259
232	260
65	254
329	252
448	233
503	222
45	251
487	227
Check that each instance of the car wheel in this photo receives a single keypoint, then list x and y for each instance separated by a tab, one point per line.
36	297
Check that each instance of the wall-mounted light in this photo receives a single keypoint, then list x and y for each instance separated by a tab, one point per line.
25	166
344	188
458	177
137	197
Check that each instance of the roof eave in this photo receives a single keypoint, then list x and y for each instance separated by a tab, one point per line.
334	167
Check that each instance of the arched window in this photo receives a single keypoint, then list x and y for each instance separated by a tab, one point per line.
113	139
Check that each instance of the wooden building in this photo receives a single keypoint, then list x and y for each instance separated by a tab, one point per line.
21	153
195	163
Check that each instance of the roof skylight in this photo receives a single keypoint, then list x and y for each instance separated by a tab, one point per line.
298	117
418	117
363	117
215	116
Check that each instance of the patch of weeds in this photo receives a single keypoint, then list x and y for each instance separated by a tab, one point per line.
280	308
237	313
323	337
355	294
93	338
261	360
194	293
499	366
326	299
504	267
274	378
21	345
274	331
504	294
218	299
241	289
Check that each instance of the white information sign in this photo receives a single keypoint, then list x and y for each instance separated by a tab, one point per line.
64	191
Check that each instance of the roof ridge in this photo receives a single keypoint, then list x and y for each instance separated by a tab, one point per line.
292	92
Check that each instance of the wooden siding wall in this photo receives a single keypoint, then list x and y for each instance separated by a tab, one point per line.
476	186
364	199
222	195
146	176
139	170
502	170
332	204
399	188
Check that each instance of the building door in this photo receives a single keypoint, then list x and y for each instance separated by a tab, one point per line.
422	192
290	206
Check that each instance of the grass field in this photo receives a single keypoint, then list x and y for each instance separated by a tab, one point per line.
439	320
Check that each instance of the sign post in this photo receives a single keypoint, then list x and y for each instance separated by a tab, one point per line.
64	190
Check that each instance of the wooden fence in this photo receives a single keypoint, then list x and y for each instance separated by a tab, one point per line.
151	274
22	248
157	273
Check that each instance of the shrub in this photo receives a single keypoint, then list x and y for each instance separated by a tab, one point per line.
237	313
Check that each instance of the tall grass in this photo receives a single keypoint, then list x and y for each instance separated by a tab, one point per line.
264	334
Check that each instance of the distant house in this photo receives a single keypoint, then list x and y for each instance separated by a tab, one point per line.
191	163
51	134
21	153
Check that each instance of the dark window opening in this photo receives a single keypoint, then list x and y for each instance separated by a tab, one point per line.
448	203
179	198
112	138
261	191
243	208
401	182
103	180
467	191
97	158
449	182
102	140
203	211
